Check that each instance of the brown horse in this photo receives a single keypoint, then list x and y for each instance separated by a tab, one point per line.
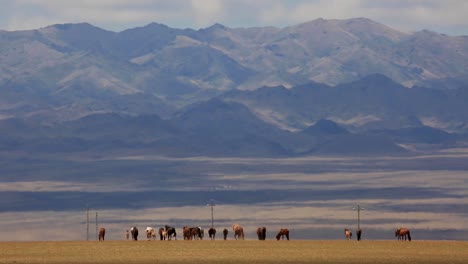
102	233
261	233
282	233
403	233
238	231
225	233
348	234
212	233
196	233
162	233
187	233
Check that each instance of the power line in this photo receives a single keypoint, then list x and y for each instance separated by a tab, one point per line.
212	203
359	208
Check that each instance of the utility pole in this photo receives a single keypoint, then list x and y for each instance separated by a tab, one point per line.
358	208
97	237
212	204
87	222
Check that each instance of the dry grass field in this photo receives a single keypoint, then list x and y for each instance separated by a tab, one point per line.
249	251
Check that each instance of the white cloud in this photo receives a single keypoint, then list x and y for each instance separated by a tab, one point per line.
207	12
446	16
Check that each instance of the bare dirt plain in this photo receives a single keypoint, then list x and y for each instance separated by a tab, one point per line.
248	251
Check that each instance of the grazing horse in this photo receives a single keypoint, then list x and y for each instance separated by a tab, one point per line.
358	234
282	233
150	233
187	232
134	232
212	233
348	234
403	233
171	232
162	233
261	233
202	233
102	233
225	233
127	235
195	233
238	231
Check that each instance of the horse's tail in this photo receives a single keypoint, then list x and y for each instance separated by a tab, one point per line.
409	236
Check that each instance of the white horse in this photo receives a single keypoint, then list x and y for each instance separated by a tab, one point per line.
150	233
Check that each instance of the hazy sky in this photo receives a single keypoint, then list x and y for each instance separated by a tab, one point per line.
444	16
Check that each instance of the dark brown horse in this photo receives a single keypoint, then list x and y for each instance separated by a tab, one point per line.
225	233
202	233
238	231
284	232
170	232
134	232
102	233
358	234
403	233
212	233
261	233
348	234
196	233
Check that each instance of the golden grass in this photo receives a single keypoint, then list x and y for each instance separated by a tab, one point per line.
231	251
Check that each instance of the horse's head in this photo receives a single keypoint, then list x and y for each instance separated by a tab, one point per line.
397	232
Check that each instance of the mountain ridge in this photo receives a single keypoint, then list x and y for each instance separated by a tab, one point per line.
272	83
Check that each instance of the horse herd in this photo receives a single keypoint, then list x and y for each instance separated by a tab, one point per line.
193	233
197	233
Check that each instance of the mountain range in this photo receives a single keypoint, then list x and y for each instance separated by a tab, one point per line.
322	87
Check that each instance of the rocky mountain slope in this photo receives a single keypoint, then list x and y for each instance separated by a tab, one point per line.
324	86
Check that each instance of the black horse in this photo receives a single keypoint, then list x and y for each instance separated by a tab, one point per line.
225	233
171	232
